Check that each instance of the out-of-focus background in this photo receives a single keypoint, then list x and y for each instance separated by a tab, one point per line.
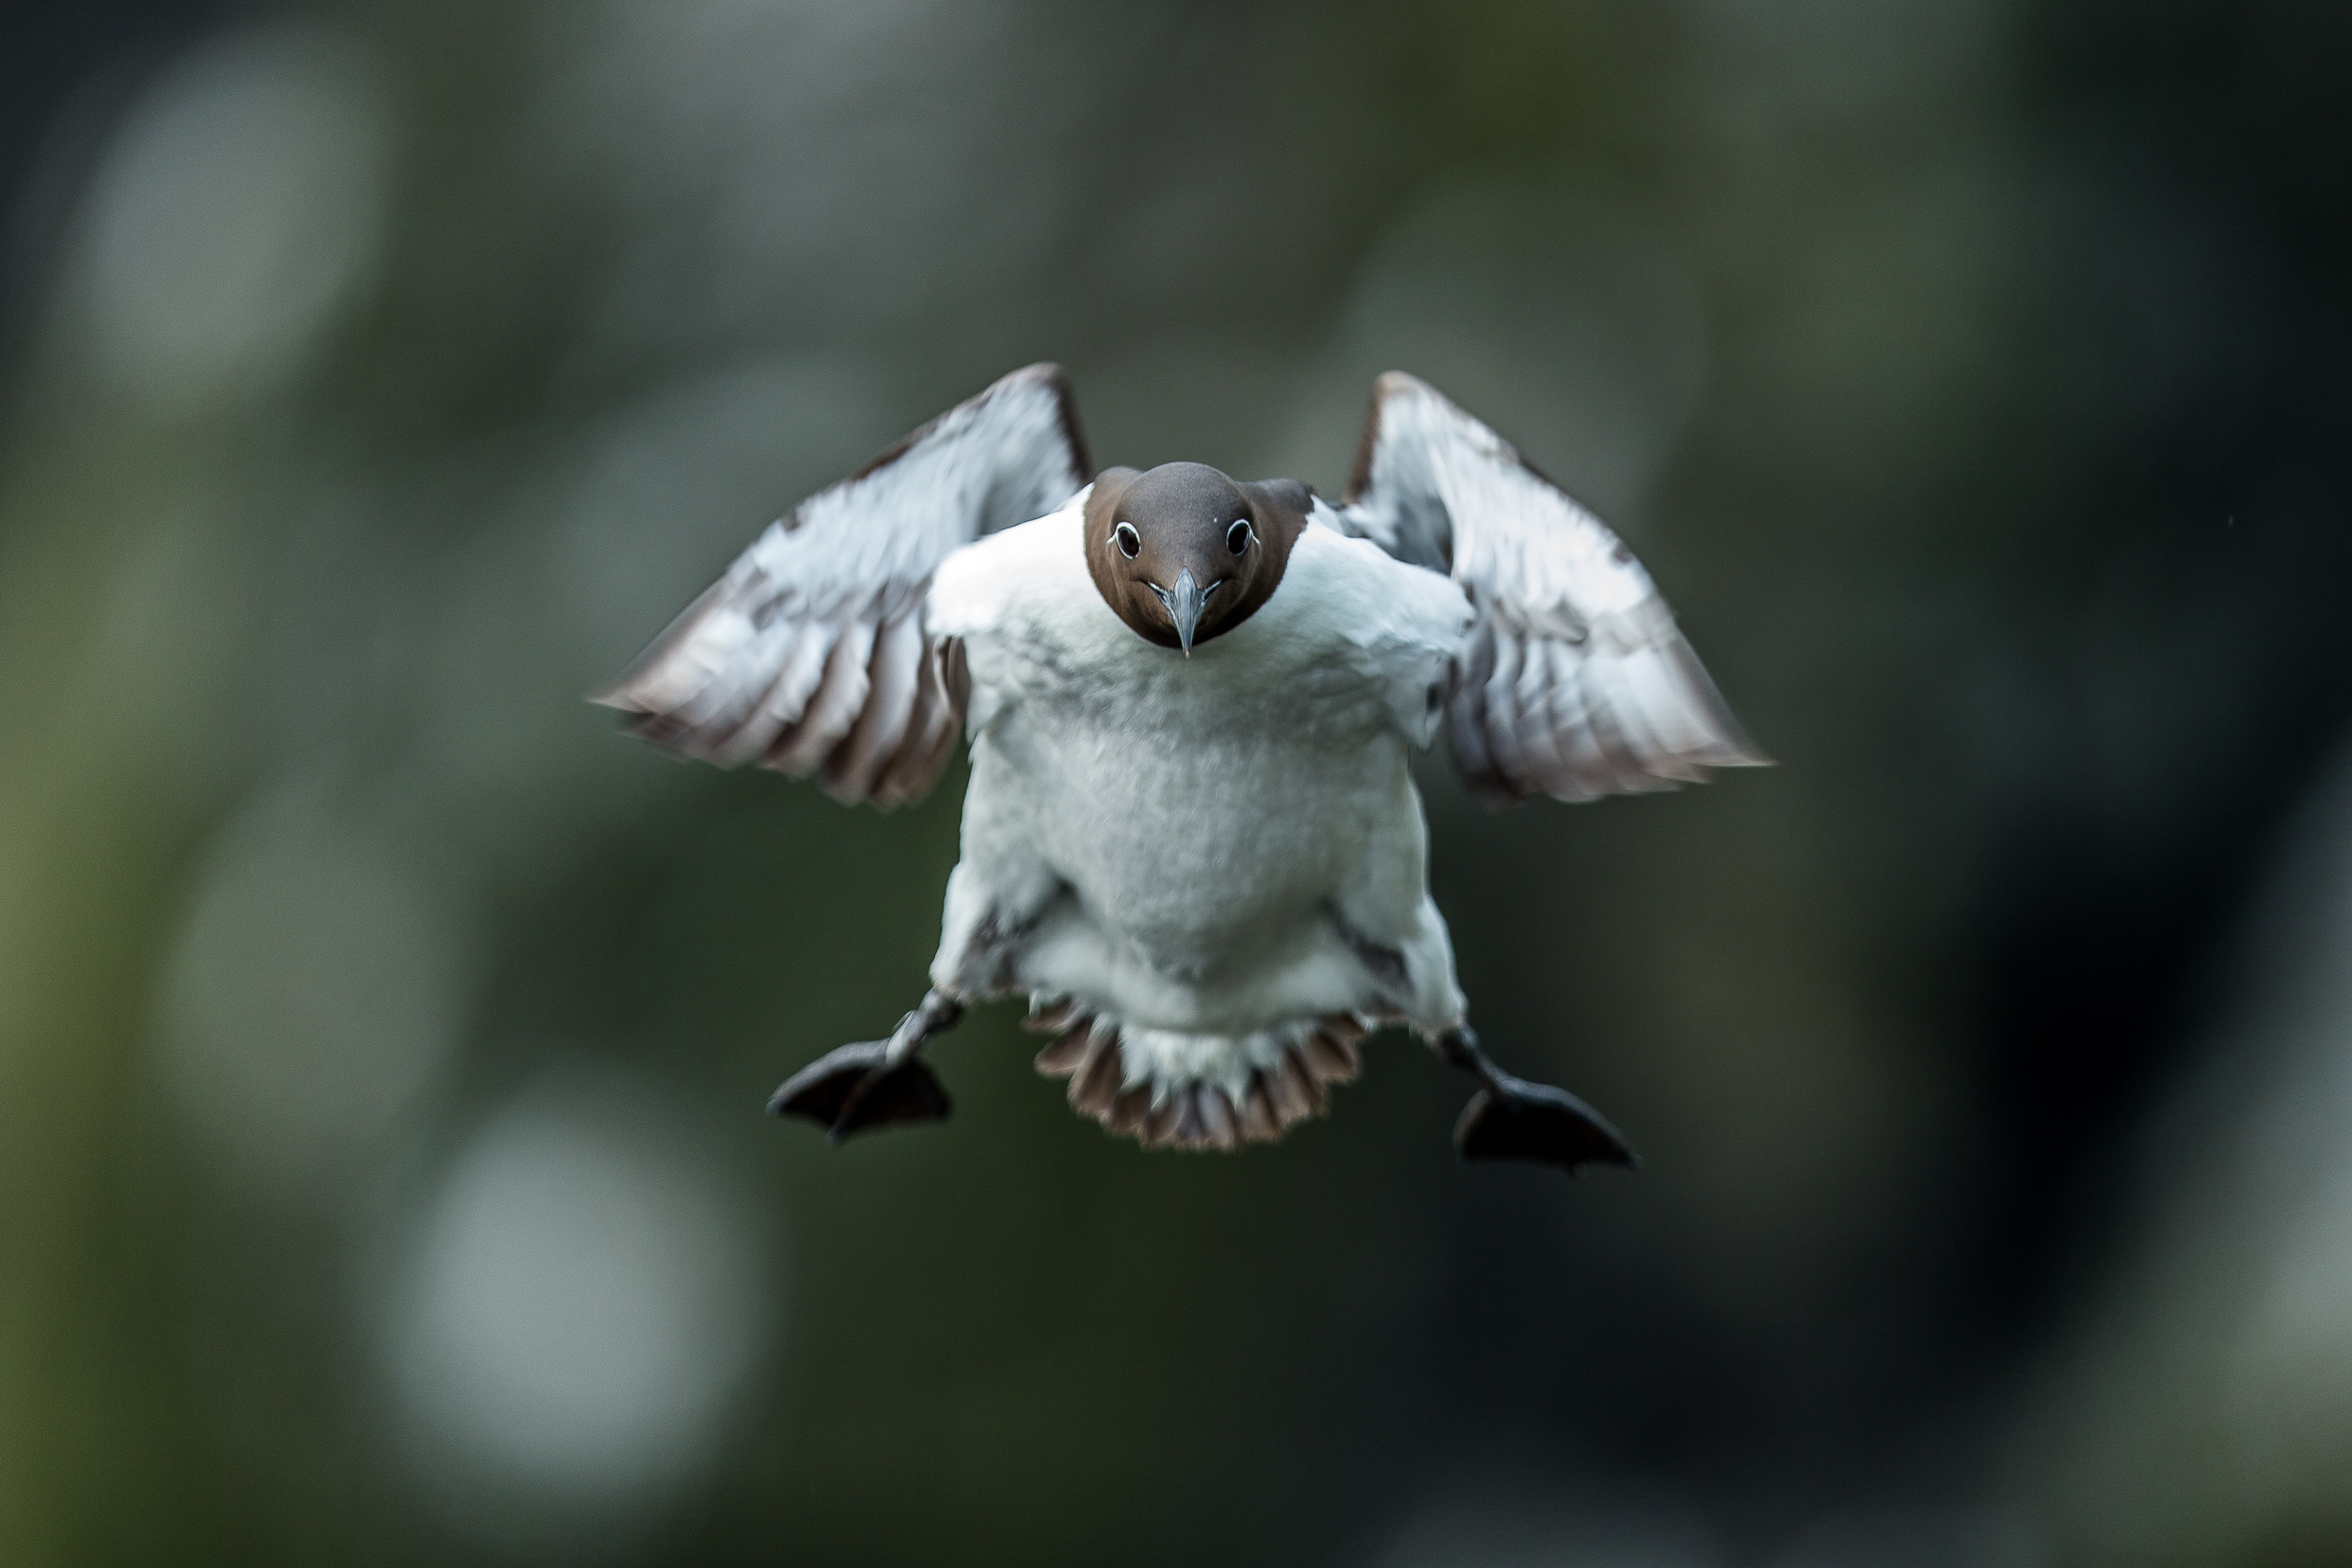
383	1039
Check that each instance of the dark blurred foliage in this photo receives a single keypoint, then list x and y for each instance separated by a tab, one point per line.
382	1038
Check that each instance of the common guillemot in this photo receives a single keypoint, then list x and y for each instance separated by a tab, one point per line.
1191	839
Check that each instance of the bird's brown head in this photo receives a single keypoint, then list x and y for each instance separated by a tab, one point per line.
1183	554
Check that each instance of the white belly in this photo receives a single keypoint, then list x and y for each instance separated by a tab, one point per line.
1208	856
1210	875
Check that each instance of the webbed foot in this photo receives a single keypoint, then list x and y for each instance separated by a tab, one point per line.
1511	1119
857	1089
874	1083
1538	1122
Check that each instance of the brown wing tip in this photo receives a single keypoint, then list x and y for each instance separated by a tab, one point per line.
626	692
1368	436
614	696
1728	747
1387	385
1065	408
1733	746
1044	372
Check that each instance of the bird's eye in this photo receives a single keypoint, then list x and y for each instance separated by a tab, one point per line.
1237	537
1130	542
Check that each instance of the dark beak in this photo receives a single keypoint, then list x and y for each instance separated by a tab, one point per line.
1183	604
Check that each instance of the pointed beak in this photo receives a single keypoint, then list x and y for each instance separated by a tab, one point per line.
1183	604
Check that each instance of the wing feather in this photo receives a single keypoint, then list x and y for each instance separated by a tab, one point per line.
921	727
1586	765
770	710
1465	710
881	725
834	708
932	736
1674	739
1574	681
1531	700
809	656
1502	715
1617	719
801	668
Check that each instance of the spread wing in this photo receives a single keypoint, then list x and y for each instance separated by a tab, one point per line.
810	655
1574	681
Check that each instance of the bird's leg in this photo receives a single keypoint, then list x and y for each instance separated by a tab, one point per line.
874	1083
1514	1119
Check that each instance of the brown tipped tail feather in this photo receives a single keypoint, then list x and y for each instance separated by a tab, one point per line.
1087	1049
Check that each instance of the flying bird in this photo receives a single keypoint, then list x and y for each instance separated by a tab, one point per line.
1190	838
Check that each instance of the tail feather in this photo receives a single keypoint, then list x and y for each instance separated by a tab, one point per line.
1271	1081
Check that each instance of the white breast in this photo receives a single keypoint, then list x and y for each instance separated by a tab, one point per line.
1353	623
1207	814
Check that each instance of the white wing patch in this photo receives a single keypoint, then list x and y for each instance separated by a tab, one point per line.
1574	681
810	655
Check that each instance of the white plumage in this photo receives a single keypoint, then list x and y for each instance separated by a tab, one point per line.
1574	681
1207	872
1184	841
809	654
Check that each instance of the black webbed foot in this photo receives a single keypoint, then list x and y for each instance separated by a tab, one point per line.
1535	1121
873	1083
856	1089
1514	1119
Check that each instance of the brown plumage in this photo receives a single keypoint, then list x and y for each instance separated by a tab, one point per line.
1088	1051
1184	516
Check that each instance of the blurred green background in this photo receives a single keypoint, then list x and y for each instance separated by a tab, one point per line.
383	1039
